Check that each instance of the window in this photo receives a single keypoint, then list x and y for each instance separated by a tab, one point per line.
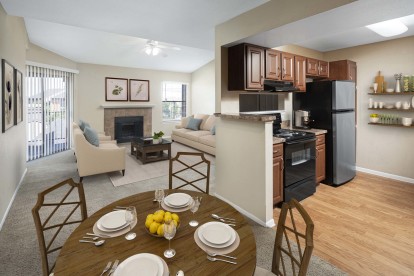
49	111
174	100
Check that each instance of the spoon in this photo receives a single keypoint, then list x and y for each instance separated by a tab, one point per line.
221	218
98	243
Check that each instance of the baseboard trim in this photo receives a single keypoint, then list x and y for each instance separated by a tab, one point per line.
12	199
270	223
386	175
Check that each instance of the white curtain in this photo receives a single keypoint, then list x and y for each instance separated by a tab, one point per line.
49	95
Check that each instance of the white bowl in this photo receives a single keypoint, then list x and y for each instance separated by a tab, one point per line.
374	119
389	90
406	121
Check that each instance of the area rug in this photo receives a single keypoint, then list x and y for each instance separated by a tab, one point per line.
135	171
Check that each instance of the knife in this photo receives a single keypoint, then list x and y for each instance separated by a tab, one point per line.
113	267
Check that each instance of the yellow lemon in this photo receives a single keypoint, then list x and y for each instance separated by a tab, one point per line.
160	230
154	227
175	223
158	218
167	214
167	218
148	222
160	212
150	216
175	217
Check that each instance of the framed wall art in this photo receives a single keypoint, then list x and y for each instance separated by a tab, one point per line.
18	96
7	95
116	89
139	91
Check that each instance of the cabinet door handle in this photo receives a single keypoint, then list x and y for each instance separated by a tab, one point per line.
283	165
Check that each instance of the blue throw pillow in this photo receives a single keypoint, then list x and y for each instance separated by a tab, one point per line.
92	136
194	124
83	125
213	130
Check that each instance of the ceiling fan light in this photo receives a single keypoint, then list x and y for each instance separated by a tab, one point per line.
155	51
148	50
388	28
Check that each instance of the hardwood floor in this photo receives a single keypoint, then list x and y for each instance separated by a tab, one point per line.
365	227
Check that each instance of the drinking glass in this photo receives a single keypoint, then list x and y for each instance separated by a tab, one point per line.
194	208
169	233
159	196
130	218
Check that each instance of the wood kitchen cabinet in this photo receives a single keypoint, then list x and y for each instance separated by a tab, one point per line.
246	67
320	158
277	173
288	66
300	73
273	65
343	70
317	68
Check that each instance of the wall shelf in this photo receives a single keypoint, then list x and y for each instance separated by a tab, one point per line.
393	109
391	125
393	93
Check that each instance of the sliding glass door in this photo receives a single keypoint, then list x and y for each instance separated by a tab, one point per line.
49	111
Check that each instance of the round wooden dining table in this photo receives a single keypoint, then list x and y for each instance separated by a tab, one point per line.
77	258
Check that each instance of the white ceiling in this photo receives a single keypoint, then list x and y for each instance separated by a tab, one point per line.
112	32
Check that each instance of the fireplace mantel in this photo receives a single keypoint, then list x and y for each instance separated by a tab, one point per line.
126	105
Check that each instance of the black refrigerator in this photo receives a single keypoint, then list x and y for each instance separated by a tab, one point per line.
332	107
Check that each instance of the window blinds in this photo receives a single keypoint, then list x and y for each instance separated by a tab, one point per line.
49	95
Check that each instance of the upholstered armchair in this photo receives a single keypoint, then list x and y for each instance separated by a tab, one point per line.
91	159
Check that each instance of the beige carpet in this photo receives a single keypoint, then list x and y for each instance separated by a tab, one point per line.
135	171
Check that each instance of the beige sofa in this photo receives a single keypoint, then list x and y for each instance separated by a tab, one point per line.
108	157
202	139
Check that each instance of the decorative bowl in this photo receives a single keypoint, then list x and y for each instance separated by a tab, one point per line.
156	235
389	106
406	121
390	90
374	119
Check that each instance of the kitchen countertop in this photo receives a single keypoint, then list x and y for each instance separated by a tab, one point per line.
247	117
277	140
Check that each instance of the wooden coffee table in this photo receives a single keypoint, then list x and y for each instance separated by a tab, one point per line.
146	151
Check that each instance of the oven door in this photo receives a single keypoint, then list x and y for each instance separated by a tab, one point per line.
299	161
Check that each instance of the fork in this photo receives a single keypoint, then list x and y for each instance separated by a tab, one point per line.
90	237
108	265
211	254
113	267
217	259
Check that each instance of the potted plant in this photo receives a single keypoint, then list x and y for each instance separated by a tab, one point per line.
157	137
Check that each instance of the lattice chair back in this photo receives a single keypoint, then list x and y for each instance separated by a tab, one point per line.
292	256
58	211
190	169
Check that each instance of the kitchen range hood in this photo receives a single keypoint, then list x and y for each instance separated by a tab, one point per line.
279	86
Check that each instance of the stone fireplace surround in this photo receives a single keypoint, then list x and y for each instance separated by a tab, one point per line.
111	112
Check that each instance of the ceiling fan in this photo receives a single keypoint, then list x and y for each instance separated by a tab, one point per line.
154	48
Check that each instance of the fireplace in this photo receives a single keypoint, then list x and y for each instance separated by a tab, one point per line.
128	127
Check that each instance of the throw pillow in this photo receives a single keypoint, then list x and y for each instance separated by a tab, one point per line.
194	124
91	136
203	117
213	130
209	123
185	120
83	125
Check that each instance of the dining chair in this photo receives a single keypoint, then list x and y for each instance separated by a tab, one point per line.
189	168
58	210
291	256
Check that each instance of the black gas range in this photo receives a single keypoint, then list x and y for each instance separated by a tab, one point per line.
299	161
292	135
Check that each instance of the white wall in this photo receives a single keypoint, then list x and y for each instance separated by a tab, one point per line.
203	89
13	45
380	148
91	92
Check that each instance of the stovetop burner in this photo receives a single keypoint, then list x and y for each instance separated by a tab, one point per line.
290	135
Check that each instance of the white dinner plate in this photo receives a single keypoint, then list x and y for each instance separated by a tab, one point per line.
100	227
177	200
216	234
141	264
113	220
